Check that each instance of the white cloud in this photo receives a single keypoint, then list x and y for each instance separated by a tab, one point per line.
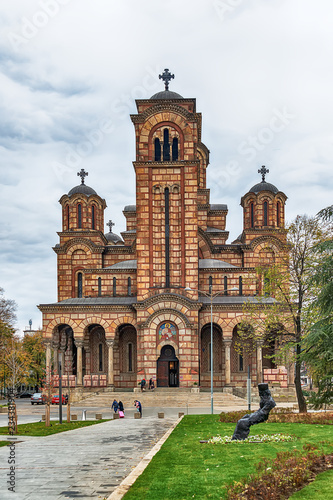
82	64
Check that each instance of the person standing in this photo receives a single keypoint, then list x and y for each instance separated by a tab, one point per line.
143	384
138	406
115	406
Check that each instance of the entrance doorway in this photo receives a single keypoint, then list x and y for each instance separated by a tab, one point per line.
167	368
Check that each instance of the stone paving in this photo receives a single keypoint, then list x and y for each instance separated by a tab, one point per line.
81	464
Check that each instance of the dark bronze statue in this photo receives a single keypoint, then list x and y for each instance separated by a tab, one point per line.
267	404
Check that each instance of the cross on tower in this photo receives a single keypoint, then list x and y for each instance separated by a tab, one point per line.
166	76
82	174
263	171
110	224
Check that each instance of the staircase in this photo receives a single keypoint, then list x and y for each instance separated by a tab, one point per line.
162	398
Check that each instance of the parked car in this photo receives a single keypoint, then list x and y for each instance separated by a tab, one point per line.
24	394
38	398
55	400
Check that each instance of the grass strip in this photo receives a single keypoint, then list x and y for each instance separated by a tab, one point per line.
184	468
319	489
39	428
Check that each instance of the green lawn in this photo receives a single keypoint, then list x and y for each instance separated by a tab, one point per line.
320	489
3	443
39	428
185	468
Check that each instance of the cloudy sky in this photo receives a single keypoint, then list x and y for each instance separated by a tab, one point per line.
261	72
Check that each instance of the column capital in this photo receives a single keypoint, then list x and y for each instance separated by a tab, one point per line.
109	342
78	342
47	342
227	342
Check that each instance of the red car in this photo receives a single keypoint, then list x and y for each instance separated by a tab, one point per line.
55	400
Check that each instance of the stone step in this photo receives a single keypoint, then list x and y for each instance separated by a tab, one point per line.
162	399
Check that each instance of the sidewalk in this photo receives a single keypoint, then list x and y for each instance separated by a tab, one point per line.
85	463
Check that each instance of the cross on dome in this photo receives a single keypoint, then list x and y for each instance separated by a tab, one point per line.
110	224
263	171
166	76
82	174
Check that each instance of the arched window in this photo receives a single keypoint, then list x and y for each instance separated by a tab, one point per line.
79	216
175	149
225	285
240	285
240	363
157	147
93	217
278	211
252	214
129	287
166	145
210	282
99	287
130	356
79	285
209	356
265	213
114	287
66	221
100	357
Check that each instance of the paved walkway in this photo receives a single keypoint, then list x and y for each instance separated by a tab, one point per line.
81	464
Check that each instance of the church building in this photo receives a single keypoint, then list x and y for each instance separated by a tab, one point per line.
142	305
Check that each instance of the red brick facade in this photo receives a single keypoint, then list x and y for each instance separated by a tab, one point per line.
124	307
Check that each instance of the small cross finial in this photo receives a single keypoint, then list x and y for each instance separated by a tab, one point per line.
263	171
110	224
166	76
82	174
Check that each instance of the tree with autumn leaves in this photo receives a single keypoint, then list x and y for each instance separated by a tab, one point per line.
281	317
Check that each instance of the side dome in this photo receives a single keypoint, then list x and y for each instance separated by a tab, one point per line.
166	94
114	238
82	189
263	186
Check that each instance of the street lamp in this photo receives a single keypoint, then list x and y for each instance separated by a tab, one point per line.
211	297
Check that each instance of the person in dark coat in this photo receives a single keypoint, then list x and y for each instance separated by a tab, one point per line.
115	406
151	384
143	384
120	406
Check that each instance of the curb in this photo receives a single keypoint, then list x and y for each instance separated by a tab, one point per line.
125	485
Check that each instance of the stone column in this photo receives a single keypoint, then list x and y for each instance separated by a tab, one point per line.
79	345
55	347
260	374
110	344
227	347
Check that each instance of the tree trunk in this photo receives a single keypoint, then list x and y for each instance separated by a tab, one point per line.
298	385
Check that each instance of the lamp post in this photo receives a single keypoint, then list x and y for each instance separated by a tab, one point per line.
211	297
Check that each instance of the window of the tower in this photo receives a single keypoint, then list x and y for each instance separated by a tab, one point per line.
129	287
66	221
166	145
278	211
225	281
167	238
265	213
210	282
241	362
79	285
175	149
252	214
114	287
93	217
157	148
99	287
79	216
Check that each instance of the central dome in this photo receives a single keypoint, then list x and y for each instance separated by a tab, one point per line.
166	94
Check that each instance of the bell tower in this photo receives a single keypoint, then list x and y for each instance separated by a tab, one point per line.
167	167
